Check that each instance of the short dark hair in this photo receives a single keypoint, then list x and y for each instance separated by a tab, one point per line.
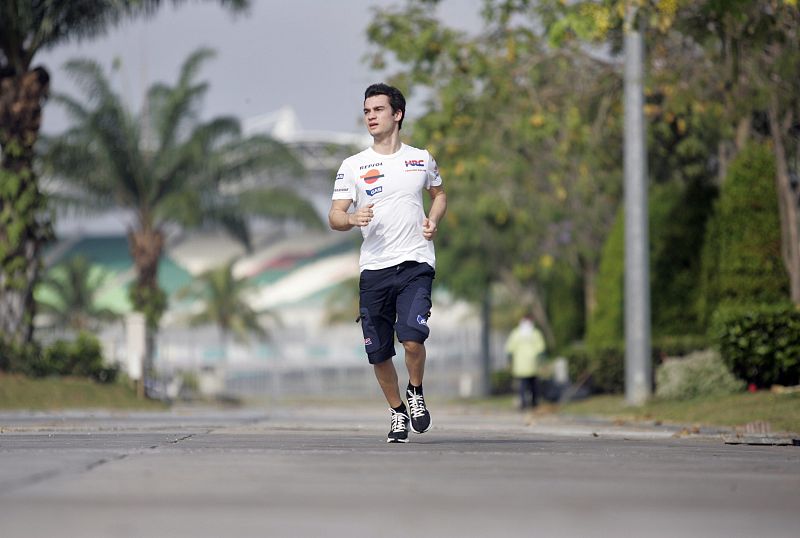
396	99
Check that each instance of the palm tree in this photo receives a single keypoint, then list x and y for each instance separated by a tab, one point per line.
224	304
26	28
167	167
69	295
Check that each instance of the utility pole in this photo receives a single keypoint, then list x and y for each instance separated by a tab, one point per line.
638	360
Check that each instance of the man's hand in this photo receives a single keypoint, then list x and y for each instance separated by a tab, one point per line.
428	228
362	216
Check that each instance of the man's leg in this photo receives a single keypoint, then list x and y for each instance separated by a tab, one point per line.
415	362
387	379
413	311
376	305
399	419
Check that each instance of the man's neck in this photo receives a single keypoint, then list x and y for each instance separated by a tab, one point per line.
388	144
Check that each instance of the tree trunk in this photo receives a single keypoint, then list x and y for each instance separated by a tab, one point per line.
531	295
541	318
787	200
146	245
589	273
23	228
728	150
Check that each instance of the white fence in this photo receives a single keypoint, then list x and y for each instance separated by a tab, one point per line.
301	362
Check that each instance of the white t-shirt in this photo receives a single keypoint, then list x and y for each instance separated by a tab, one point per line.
394	183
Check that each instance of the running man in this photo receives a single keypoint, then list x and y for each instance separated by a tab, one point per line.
385	183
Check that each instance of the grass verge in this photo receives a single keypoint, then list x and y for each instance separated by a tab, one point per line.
19	392
781	411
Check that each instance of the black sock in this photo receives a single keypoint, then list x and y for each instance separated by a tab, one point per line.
415	390
401	408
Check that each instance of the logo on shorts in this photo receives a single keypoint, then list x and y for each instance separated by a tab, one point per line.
367	341
422	320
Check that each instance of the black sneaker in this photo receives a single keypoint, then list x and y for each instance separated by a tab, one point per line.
398	427
420	417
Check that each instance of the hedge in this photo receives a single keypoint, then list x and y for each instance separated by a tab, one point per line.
760	344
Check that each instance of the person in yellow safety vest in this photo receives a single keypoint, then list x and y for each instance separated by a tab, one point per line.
525	347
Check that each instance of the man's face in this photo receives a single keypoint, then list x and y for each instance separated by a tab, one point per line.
378	115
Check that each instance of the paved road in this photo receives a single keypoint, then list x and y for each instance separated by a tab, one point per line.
309	472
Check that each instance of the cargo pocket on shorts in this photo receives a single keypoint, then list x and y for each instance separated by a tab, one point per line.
420	312
371	341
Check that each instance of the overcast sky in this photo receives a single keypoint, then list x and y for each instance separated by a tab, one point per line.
304	53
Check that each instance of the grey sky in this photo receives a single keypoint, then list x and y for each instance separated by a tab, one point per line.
303	53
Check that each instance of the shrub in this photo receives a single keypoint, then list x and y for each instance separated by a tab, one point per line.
501	382
565	304
18	358
606	325
742	261
760	344
82	357
701	373
678	346
604	364
677	217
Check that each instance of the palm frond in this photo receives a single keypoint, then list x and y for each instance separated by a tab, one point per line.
280	203
75	110
191	66
194	161
258	154
89	76
224	303
73	287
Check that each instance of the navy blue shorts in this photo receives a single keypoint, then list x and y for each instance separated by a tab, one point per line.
393	300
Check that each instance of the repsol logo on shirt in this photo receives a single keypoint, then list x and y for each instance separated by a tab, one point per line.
415	162
373	165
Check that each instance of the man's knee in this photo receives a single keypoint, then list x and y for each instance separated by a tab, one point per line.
413	348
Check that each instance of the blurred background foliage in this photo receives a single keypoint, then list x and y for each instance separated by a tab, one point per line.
525	119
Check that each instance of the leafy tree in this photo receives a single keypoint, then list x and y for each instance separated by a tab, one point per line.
224	303
69	295
526	137
25	29
168	167
749	51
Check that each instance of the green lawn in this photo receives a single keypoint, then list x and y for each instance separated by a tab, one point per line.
781	411
19	392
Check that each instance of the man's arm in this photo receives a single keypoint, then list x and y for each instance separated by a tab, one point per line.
340	219
436	214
